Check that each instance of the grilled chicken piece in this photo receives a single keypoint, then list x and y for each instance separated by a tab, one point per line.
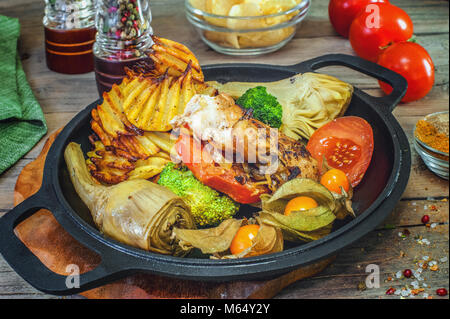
230	129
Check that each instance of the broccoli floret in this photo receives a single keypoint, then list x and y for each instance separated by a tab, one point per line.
208	207
265	106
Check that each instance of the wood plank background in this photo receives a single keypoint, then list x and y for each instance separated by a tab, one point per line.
62	96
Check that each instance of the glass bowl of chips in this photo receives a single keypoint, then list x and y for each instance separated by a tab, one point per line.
246	27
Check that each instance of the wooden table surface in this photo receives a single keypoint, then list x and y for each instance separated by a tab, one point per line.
63	96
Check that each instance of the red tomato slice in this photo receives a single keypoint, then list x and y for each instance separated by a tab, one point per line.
346	143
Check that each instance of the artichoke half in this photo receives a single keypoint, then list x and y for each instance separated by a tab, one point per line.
135	212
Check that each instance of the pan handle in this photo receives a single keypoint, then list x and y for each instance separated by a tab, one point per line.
395	80
30	268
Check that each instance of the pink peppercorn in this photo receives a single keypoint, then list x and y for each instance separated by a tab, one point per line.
441	292
407	273
390	291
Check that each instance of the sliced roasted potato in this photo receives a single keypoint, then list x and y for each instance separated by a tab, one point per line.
146	143
163	155
162	139
109	115
156	122
152	108
130	123
173	57
112	165
106	166
148	168
98	129
98	146
110	121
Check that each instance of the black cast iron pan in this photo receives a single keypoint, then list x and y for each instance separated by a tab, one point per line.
374	198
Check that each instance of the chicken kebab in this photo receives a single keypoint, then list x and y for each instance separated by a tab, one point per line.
232	152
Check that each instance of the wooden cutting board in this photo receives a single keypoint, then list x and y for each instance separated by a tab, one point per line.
42	234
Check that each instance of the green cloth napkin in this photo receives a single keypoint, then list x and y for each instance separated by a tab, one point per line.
22	123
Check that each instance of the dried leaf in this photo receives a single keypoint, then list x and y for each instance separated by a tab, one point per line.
294	188
305	225
209	240
303	221
268	240
344	203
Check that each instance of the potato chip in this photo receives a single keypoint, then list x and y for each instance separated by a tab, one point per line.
223	38
264	39
219	7
249	8
277	6
243	10
198	4
270	21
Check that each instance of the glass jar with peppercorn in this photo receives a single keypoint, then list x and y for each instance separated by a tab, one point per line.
123	38
69	27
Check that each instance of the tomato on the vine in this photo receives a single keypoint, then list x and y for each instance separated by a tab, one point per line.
372	31
342	13
346	143
414	63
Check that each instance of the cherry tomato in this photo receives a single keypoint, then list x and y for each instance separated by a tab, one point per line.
300	203
342	13
372	31
414	63
346	143
243	238
334	179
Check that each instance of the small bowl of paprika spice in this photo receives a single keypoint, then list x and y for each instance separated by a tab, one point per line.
431	141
